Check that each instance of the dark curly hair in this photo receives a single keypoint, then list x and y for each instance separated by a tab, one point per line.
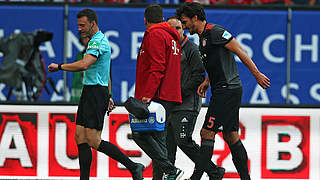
191	9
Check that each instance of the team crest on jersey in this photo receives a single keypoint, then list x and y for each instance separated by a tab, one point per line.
226	35
204	42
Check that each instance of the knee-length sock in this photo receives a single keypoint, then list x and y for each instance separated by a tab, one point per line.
205	155
240	159
85	158
114	152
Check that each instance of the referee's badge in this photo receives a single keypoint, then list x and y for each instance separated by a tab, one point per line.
204	42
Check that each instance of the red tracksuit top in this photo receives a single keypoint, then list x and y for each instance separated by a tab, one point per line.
158	64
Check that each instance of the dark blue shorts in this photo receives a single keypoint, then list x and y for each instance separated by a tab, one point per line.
93	106
223	111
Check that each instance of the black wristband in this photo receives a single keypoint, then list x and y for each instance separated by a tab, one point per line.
59	66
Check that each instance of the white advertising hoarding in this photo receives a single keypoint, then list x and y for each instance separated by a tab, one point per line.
38	142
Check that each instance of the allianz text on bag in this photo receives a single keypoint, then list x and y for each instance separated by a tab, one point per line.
155	121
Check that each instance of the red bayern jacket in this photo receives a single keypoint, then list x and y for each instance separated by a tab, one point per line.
158	64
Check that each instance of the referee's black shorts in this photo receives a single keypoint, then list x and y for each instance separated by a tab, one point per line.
93	106
223	110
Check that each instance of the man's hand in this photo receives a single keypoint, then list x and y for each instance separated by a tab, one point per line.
146	100
53	67
202	89
111	105
262	80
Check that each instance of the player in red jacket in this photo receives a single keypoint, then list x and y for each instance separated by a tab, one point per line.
158	65
158	78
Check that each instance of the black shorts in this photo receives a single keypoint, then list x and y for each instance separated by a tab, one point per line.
223	111
93	106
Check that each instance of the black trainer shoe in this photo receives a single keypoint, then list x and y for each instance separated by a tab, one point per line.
176	176
217	173
137	173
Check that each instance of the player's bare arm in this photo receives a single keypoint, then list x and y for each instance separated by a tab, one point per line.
236	48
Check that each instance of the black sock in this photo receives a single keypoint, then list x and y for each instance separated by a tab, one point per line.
240	159
205	155
114	152
85	158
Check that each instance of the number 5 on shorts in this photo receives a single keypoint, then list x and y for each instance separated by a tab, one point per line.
211	122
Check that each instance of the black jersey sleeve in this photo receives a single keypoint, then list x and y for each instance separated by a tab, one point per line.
220	36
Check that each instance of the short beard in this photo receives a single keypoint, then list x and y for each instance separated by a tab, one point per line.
192	30
84	34
90	33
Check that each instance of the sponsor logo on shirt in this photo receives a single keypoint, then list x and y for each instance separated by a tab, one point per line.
93	45
135	120
174	47
226	35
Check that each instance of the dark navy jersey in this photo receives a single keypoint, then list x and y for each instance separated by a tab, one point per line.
219	62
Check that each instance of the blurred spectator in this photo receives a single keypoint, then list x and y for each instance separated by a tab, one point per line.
236	2
304	2
252	2
160	1
94	1
204	2
267	2
109	1
23	0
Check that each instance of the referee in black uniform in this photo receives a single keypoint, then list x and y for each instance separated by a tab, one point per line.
217	46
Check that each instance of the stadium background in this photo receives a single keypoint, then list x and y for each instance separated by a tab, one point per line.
282	136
